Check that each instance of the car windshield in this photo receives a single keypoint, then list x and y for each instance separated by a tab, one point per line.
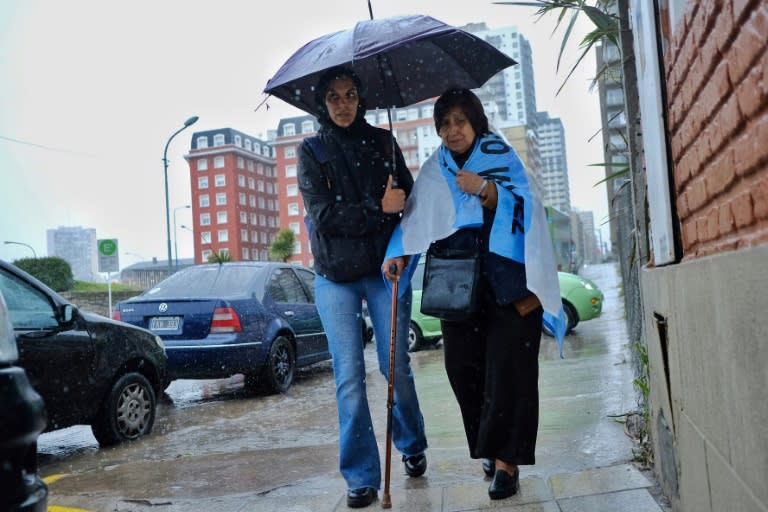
207	281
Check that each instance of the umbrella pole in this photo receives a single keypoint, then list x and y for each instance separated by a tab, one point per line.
386	500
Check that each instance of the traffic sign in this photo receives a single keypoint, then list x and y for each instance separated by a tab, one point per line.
109	260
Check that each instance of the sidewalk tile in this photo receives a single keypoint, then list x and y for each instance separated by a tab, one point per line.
533	491
598	481
638	500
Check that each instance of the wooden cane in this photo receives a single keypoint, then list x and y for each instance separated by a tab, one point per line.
386	500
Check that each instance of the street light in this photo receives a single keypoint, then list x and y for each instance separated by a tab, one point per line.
203	239
189	122
34	254
176	236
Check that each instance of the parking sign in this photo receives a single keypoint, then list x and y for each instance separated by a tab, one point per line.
108	255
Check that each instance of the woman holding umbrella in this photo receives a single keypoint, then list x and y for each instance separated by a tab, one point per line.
346	178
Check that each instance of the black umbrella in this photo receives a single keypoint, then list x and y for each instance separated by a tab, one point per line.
401	60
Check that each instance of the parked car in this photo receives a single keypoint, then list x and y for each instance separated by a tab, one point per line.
89	369
582	301
424	330
221	319
22	420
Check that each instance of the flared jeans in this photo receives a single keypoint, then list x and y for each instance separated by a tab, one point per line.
340	308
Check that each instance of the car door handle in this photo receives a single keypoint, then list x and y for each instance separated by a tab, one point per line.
289	313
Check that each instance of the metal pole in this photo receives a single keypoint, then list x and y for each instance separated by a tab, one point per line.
176	236
34	254
189	122
386	500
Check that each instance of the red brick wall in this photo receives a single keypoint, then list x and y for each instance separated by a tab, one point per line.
716	64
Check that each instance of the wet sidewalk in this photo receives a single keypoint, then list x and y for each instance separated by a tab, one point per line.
584	456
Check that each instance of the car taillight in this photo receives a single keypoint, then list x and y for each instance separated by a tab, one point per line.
116	315
225	320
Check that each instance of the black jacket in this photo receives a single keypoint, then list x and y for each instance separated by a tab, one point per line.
343	199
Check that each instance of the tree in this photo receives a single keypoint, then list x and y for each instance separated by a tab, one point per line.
53	271
219	257
282	248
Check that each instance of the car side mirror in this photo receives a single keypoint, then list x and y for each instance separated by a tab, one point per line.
67	314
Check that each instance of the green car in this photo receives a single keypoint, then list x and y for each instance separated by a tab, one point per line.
582	301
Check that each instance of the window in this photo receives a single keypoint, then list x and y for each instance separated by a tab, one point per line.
240	162
218	139
262	202
254	219
248	144
241	199
266	151
284	286
221	198
269	187
307	127
243	218
260	186
289	152
240	180
202	182
244	235
221	217
205	237
202	142
204	201
297	247
295	227
222	235
220	180
289	129
252	201
202	164
290	171
246	253
256	147
205	219
293	208
206	254
251	183
218	162
238	141
292	190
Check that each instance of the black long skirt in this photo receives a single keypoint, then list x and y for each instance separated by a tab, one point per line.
492	366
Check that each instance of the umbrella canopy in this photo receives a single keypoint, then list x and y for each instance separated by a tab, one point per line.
401	60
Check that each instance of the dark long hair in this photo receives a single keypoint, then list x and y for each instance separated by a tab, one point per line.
468	102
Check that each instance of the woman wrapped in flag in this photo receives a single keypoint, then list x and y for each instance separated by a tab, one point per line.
474	189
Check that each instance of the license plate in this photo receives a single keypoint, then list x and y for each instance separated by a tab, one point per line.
164	323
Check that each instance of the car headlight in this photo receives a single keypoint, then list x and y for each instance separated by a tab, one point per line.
587	285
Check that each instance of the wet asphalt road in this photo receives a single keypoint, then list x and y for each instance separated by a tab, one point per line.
212	439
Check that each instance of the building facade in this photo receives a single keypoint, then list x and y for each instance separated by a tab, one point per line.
77	246
554	164
235	205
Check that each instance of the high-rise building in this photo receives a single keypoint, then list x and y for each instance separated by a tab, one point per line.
513	88
554	164
234	186
77	246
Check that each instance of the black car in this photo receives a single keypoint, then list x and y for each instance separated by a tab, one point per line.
89	369
22	419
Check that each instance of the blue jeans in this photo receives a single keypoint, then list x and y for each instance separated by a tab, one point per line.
340	308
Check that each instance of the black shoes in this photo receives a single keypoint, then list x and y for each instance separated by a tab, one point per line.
415	465
504	485
489	467
359	498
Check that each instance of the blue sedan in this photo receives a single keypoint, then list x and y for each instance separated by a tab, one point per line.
217	320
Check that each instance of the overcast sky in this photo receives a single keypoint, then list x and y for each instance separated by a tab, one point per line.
91	90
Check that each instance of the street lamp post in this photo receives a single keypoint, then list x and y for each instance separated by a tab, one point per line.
34	254
176	236
189	122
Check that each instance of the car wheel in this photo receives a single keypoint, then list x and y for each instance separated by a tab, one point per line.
415	338
281	363
128	412
571	316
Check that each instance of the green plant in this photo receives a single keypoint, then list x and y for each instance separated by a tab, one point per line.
282	248
219	257
644	452
53	271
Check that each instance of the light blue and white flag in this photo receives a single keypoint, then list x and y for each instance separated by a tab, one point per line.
437	208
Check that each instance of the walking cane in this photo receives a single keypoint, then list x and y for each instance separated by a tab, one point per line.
386	500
